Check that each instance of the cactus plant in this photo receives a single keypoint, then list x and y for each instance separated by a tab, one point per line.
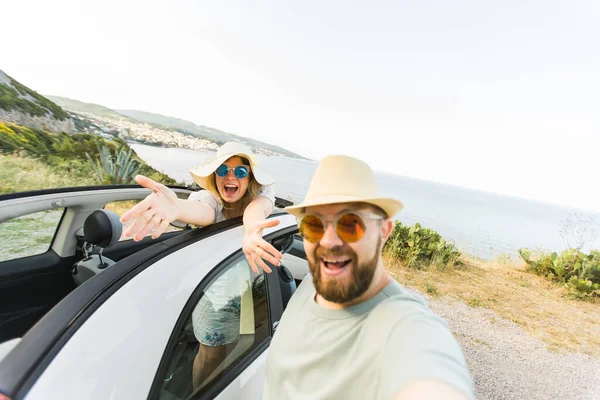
572	267
119	169
420	247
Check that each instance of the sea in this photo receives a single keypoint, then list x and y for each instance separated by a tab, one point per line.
483	224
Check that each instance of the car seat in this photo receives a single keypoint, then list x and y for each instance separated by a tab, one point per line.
101	229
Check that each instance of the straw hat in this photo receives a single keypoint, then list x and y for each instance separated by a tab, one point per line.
343	179
202	172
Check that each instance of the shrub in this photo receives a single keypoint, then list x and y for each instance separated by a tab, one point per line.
119	169
575	269
420	247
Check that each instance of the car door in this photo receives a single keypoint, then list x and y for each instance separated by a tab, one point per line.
114	336
39	245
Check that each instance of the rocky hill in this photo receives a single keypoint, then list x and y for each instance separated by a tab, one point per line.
23	106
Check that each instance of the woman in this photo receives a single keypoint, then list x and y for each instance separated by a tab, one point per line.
235	186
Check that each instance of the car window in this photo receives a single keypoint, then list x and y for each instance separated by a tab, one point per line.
119	207
229	320
28	235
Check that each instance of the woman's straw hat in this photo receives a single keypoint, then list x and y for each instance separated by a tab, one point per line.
202	173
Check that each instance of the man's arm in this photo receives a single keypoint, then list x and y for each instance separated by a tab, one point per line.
421	358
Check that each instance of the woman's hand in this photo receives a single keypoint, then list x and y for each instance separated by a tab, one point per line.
256	248
154	213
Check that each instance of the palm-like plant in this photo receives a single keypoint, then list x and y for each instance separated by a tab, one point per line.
118	169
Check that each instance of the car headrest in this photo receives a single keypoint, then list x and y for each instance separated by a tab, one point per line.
102	228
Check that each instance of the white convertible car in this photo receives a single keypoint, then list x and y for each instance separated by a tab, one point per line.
84	315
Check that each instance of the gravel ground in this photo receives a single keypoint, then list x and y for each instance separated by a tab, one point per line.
508	363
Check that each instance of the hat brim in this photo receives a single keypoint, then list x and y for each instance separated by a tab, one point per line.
202	173
390	206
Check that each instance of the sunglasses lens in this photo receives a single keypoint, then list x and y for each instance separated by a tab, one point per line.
350	228
311	228
241	172
222	171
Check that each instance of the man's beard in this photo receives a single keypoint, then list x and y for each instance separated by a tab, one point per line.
339	290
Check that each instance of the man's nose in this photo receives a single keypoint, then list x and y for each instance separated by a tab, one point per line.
330	238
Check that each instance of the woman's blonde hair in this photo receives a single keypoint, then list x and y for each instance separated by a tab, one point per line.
237	209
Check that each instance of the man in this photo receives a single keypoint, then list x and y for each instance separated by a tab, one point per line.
350	331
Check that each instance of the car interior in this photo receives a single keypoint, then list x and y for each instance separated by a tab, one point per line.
31	286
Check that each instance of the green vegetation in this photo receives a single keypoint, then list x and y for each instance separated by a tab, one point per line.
573	268
15	97
119	169
420	248
21	174
59	157
475	302
431	289
83	124
28	235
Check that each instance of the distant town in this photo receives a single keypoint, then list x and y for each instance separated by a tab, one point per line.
144	133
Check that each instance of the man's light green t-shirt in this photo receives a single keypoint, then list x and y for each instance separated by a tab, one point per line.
368	351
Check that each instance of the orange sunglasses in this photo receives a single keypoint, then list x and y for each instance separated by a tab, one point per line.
350	226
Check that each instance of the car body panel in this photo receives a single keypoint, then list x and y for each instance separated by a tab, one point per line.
146	308
249	384
109	337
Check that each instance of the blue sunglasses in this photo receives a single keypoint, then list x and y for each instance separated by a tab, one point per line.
240	172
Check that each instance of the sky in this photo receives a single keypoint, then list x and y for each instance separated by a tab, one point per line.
501	96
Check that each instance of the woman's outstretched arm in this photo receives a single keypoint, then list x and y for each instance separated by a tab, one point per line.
160	208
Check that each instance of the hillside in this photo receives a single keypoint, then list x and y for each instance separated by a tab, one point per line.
23	106
77	106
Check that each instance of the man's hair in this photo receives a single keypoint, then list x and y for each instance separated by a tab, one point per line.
374	209
379	211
